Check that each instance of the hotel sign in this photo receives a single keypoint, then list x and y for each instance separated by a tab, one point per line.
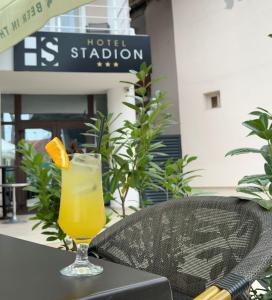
75	52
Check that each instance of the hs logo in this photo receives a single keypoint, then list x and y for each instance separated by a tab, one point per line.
41	51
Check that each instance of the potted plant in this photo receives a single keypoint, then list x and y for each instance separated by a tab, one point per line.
258	187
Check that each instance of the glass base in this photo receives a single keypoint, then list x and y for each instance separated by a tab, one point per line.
81	270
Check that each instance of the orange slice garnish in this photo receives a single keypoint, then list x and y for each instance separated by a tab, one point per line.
57	152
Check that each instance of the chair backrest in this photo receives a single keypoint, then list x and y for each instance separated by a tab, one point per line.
192	241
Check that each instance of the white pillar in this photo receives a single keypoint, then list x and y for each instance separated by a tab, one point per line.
115	98
0	134
1	147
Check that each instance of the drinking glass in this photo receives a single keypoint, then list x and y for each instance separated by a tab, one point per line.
82	213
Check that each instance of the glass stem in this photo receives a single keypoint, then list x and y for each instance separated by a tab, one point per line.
82	254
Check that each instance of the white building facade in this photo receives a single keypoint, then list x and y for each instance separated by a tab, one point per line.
42	95
216	58
222	49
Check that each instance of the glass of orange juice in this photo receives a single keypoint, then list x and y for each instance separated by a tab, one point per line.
82	214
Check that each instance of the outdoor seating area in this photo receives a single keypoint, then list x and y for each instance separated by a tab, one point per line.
136	150
196	243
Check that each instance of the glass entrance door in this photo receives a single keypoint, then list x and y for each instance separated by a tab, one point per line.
71	134
39	118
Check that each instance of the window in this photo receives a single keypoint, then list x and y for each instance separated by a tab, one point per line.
213	99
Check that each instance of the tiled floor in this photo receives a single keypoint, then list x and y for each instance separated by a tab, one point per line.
23	230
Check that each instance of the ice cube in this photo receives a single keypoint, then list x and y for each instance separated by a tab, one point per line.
90	188
85	160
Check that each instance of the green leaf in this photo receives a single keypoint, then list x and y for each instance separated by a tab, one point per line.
31	189
256	179
141	91
264	119
36	225
132	106
115	119
130	152
52	238
268	169
155	187
114	183
38	158
131	83
256	125
154	81
250	190
156	166
134	208
266	152
88	145
148	202
144	67
270	189
267	204
89	134
192	158
242	151
45	226
141	75
93	127
49	232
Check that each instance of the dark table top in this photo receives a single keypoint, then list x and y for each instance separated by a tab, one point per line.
30	271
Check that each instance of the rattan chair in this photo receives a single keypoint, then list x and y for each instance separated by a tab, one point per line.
219	243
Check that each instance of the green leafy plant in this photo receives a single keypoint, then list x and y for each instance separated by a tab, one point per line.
259	187
127	155
44	182
264	292
129	150
174	179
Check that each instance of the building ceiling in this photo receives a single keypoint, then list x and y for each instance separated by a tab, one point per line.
60	82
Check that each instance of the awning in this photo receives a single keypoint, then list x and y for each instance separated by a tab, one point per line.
20	18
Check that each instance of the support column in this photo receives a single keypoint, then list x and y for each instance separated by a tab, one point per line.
115	98
1	190
0	135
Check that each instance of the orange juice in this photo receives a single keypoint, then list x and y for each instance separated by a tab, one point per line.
82	213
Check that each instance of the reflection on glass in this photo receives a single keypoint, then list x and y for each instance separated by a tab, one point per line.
26	117
7	108
8	145
72	138
38	137
7	117
57	116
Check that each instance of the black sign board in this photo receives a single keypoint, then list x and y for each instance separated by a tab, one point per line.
76	52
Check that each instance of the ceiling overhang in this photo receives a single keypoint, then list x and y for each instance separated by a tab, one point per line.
64	83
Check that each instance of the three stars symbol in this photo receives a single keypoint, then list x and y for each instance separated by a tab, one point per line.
107	64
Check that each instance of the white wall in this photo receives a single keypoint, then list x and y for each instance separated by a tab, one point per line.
226	50
160	30
0	137
6	60
115	98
